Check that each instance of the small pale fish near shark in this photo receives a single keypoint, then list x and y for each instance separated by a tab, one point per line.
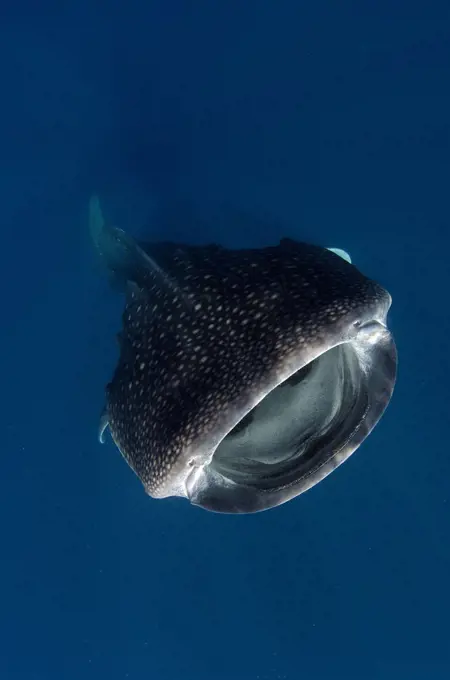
245	376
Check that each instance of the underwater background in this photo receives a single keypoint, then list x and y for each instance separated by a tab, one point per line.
238	122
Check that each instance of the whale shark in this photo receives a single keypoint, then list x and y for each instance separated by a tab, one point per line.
245	376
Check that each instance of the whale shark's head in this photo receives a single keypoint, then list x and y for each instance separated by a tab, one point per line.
245	376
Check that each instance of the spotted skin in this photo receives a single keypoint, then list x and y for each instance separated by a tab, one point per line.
205	328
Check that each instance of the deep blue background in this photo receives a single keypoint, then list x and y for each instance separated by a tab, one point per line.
241	121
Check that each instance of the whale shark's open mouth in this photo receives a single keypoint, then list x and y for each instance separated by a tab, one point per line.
318	407
304	428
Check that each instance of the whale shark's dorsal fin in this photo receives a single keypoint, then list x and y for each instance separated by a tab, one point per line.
125	259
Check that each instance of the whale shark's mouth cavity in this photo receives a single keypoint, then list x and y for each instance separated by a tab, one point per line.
299	425
302	429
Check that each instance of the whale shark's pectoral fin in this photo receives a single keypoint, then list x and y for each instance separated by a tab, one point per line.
341	253
103	425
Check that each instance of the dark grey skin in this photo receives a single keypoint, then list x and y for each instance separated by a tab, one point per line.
245	376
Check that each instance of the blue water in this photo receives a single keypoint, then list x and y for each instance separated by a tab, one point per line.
238	121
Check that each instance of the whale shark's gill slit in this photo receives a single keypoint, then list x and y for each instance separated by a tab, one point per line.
245	376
